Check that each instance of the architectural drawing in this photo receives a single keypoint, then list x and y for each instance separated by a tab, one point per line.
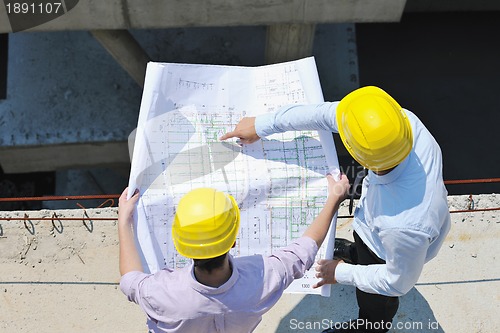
279	182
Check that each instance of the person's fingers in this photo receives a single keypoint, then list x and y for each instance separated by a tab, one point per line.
228	135
344	178
331	183
123	196
322	261
135	196
319	284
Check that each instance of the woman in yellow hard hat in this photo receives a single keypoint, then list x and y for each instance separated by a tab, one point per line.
402	217
217	293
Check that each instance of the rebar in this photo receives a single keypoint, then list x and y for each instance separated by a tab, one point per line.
109	199
63	197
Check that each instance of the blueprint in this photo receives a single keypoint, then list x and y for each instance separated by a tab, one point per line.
279	182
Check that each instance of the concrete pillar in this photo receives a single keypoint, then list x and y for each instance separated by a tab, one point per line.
287	42
126	51
4	53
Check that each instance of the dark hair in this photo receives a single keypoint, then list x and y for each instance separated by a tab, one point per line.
210	264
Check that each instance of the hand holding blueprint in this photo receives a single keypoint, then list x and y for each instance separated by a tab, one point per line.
279	182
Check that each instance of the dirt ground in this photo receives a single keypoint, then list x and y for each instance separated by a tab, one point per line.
62	276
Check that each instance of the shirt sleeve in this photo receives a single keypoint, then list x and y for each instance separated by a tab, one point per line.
292	261
129	285
405	257
298	117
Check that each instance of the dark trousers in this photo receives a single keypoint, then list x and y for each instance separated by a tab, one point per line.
375	311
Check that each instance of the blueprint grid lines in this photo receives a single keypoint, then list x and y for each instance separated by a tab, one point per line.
279	182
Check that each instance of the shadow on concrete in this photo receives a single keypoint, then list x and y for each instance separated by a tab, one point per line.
314	313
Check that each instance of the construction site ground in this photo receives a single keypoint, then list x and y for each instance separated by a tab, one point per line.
62	276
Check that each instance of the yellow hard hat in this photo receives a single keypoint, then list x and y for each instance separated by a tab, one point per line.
374	128
206	223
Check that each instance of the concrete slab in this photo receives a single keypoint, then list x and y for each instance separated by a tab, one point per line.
64	277
64	93
140	14
457	291
70	105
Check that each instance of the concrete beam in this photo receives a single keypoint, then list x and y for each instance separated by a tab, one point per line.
153	14
286	42
125	50
23	159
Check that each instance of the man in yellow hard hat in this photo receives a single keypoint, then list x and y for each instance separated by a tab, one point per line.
217	293
402	217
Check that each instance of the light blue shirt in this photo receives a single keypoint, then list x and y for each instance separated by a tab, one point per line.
175	301
403	216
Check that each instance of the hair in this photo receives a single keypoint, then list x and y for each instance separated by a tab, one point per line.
210	264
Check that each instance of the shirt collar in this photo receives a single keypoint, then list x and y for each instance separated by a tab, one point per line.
391	176
213	290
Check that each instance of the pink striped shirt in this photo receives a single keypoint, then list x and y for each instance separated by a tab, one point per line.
175	301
